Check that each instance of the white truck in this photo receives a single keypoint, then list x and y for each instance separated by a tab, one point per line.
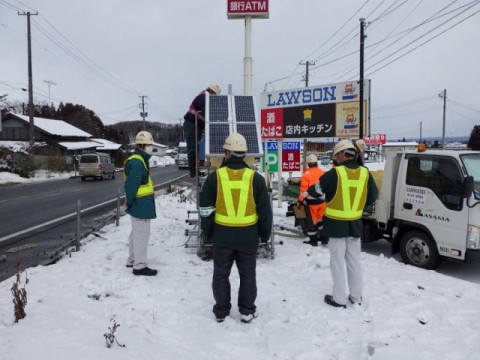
181	159
427	206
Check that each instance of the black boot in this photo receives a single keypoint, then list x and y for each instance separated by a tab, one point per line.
324	240
313	241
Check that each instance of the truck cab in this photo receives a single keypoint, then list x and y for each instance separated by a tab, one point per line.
424	207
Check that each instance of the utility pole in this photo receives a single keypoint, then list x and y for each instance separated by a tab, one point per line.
443	96
362	46
306	78
247	61
30	79
143	114
307	66
49	83
181	129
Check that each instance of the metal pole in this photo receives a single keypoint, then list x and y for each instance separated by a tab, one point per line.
79	215
265	163
307	73
444	112
117	216
143	114
247	61
30	79
362	45
272	238
196	159
280	179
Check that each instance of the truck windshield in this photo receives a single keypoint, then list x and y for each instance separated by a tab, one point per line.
472	166
182	150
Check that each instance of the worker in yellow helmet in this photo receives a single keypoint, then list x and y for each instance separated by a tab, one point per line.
236	213
139	203
196	114
360	151
347	189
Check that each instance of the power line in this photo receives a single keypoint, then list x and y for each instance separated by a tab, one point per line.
128	88
461	105
105	77
336	32
404	33
294	73
388	11
425	42
94	68
11	6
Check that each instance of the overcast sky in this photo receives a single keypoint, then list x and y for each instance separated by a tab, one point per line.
106	54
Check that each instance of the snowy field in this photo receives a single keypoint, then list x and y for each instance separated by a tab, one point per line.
407	313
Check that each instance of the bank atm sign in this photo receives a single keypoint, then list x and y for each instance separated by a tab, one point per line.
290	156
241	8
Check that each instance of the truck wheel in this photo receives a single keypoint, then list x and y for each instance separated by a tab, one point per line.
418	249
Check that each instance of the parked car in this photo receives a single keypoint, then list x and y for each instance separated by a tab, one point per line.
325	160
96	166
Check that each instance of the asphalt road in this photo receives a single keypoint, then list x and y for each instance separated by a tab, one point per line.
38	220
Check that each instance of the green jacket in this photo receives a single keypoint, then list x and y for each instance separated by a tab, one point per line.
328	183
244	238
136	175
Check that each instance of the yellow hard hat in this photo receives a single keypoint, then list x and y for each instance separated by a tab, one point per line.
312	158
343	145
215	88
359	144
144	137
235	142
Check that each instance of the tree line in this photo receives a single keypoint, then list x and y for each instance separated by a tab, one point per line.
85	119
124	132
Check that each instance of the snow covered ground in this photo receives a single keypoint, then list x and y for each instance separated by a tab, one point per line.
407	313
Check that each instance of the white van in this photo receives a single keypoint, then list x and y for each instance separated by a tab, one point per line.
96	166
182	158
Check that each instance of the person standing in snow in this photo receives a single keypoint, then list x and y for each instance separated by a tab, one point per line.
310	177
235	213
139	203
196	113
347	189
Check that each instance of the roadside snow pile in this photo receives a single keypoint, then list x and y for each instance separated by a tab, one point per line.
407	313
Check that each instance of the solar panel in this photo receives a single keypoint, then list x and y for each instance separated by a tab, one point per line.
218	134
218	109
227	114
244	109
249	131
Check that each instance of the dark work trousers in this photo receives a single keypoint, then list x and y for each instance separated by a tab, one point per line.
223	259
192	146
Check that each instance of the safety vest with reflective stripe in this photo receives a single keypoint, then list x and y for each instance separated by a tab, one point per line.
144	189
351	195
235	204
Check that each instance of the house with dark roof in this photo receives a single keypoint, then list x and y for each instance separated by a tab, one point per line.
58	134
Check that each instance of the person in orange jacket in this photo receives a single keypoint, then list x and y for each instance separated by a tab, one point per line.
311	176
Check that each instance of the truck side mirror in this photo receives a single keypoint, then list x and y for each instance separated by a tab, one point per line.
467	187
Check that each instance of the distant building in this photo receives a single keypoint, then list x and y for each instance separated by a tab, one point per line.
157	149
54	134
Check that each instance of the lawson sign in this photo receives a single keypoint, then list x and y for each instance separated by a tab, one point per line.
290	156
315	112
321	94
